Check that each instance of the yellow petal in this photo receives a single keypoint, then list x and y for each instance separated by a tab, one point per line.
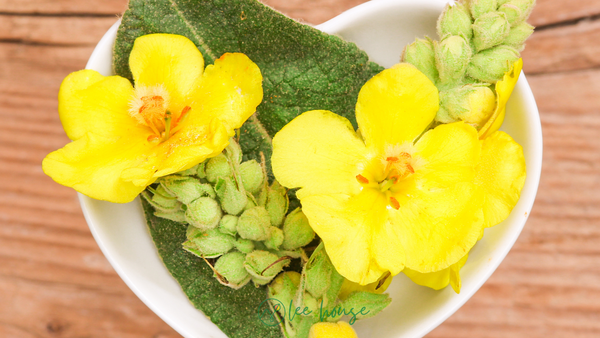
451	152
90	102
93	165
192	145
395	106
439	279
168	60
501	174
319	152
348	227
504	88
439	226
332	330
230	90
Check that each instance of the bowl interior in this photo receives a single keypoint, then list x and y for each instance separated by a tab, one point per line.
382	28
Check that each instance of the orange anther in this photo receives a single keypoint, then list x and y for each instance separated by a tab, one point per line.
392	159
410	168
185	110
405	155
394	203
362	179
153	138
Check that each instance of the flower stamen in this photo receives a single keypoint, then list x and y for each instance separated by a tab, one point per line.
362	179
394	203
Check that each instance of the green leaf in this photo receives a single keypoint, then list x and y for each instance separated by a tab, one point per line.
303	68
235	312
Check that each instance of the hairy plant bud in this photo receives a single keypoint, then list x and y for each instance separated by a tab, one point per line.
490	30
373	302
254	224
189	172
263	266
186	189
177	216
218	167
203	213
244	245
201	170
277	203
481	7
473	104
228	225
209	244
231	267
283	288
517	11
456	20
491	64
296	231
233	151
252	176
318	271
421	54
274	241
452	55
231	194
518	35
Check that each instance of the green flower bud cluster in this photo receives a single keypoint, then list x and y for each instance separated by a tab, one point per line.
234	216
479	42
313	296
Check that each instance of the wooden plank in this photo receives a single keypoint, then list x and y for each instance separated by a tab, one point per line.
54	30
549	12
312	11
563	48
62	7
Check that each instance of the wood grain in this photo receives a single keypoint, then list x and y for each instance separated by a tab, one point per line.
55	282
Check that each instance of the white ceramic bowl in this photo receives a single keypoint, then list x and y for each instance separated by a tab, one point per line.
382	28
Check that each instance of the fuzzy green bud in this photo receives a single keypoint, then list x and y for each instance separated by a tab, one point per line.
201	170
456	20
231	267
277	203
216	167
283	289
232	196
452	55
372	303
254	224
318	271
481	7
244	245
263	266
233	151
189	172
491	64
177	216
310	302
518	35
517	11
228	225
162	200
209	244
296	231
203	213
251	201
473	104
275	240
490	30
187	189
252	176
421	54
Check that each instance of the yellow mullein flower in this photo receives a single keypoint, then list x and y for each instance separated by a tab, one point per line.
177	115
332	330
504	88
398	196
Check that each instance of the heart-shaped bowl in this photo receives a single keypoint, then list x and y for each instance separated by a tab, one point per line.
382	28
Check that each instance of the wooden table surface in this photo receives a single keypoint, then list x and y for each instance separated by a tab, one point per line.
55	282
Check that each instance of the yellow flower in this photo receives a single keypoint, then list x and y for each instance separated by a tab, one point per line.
500	173
398	196
504	88
177	115
332	330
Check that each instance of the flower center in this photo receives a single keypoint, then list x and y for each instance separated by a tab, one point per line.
390	172
150	107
